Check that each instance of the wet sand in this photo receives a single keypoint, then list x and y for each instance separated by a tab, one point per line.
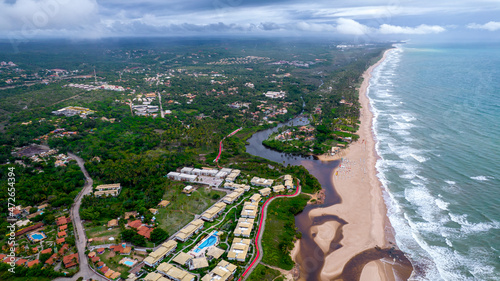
365	250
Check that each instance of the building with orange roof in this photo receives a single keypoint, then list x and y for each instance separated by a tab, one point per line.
135	224
21	262
70	260
63	249
60	240
33	263
46	251
63	227
62	234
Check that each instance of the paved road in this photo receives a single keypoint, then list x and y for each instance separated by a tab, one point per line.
80	237
262	225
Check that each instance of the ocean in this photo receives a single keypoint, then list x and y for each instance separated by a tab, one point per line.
437	126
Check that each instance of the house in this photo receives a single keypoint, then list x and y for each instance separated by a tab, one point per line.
131	214
250	209
109	273
233	196
153	211
62	220
155	257
261	182
182	258
197	263
255	198
163	203
46	251
145	231
21	262
288	182
231	185
190	229
115	276
278	188
70	260
60	240
233	175
63	227
239	249
175	273
100	251
244	227
63	249
91	255
222	272
95	259
33	263
188	189
61	234
214	252
265	191
153	276
135	224
113	223
214	211
100	264
104	269
42	207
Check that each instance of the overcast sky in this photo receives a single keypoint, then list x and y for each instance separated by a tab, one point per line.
369	19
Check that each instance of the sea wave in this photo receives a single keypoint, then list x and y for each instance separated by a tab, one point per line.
482	178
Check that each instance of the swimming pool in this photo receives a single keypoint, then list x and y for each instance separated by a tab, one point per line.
210	241
37	236
129	263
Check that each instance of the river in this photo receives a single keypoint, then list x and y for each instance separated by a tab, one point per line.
310	257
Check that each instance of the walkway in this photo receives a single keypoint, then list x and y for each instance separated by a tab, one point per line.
258	238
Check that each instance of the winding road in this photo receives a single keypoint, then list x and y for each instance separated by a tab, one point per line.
80	237
258	237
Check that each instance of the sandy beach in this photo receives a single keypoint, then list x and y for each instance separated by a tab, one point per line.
362	205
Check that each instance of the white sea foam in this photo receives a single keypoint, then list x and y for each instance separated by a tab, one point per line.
482	178
450	182
419	158
442	204
469	228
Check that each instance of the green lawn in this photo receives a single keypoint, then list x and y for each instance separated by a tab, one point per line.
263	273
280	232
182	208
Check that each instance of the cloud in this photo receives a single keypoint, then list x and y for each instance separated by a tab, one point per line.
349	26
421	29
491	26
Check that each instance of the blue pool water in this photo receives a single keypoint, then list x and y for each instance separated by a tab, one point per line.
129	263
37	236
210	241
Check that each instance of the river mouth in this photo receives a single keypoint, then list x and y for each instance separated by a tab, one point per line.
310	256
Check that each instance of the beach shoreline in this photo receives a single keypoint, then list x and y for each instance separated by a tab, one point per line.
362	207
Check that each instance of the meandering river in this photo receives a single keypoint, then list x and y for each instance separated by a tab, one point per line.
310	257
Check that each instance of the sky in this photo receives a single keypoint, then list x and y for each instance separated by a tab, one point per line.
358	19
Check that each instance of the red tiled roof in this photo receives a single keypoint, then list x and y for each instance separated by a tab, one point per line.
104	269
60	240
135	224
46	251
63	249
62	220
63	227
29	228
95	259
50	261
100	250
61	234
69	260
21	262
145	231
33	263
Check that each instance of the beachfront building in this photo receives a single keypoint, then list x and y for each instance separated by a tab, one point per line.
244	227
214	211
157	256
190	229
175	273
250	210
255	198
104	190
265	191
222	272
278	188
231	185
233	175
261	182
233	196
239	249
182	258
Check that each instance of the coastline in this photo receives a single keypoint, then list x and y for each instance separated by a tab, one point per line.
362	207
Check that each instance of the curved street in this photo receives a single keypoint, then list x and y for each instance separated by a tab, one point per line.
262	225
80	237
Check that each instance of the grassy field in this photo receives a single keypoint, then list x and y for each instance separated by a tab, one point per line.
183	208
280	232
264	273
